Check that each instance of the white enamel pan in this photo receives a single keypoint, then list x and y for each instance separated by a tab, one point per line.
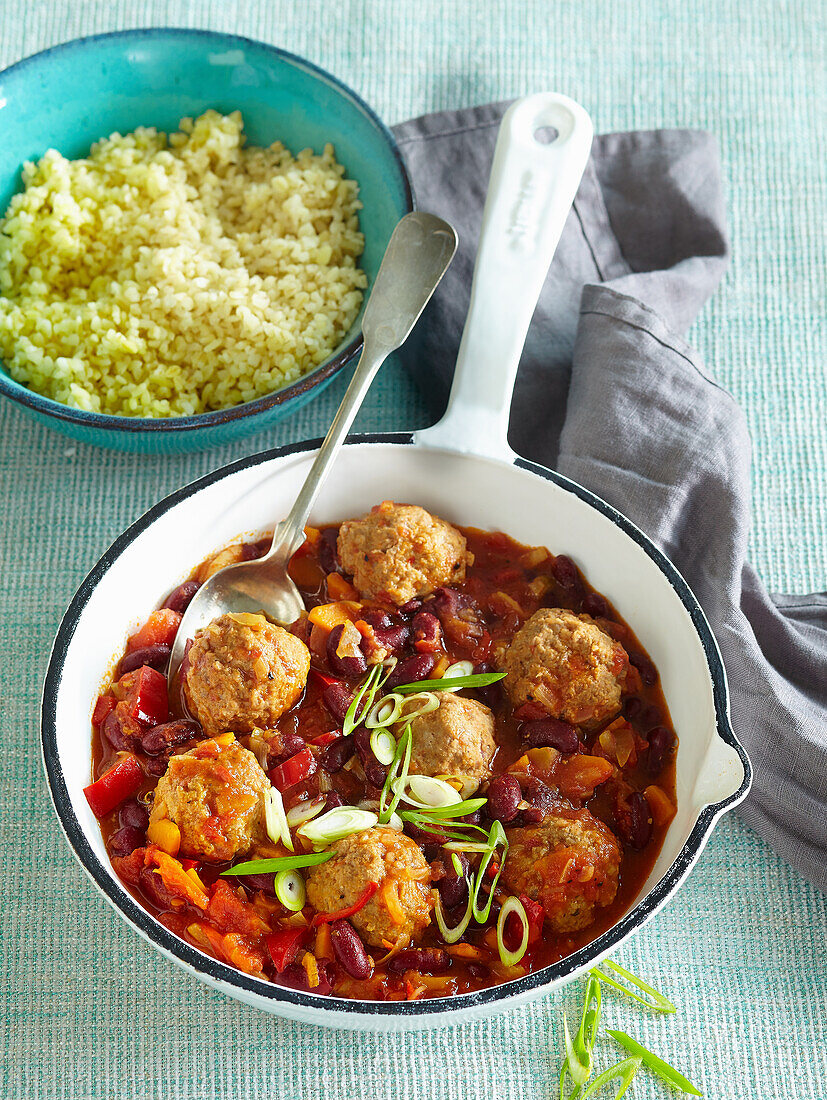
461	469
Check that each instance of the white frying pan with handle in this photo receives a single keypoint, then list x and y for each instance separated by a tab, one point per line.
461	469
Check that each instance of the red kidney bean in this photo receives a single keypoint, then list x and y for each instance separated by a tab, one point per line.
353	664
650	716
294	976
427	632
422	836
565	572
135	814
156	656
375	773
596	606
349	950
504	796
411	669
333	800
326	552
550	732
337	698
116	735
336	755
453	888
264	883
156	765
632	707
126	840
289	743
427	960
448	602
636	825
393	638
161	739
411	606
648	672
478	971
180	597
540	798
661	741
252	550
377	618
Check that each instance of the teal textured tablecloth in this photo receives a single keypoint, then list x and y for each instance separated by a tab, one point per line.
86	1009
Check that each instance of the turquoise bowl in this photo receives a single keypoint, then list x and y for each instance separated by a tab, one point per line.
70	96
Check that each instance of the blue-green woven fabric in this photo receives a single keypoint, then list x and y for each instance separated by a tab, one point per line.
86	1009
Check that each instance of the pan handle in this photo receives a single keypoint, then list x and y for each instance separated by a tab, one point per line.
541	153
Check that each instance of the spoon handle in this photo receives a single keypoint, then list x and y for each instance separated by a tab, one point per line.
418	254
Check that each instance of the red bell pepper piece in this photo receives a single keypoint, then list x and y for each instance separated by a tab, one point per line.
119	783
285	945
146	696
105	705
323	678
294	770
343	914
327	738
536	915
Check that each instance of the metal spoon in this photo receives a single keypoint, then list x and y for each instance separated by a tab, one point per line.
418	254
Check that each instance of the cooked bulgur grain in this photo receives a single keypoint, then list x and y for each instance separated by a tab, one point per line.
169	275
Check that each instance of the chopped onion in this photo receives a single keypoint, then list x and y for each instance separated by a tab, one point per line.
289	887
451	935
383	746
511	958
337	824
464	784
304	811
458	668
426	792
275	820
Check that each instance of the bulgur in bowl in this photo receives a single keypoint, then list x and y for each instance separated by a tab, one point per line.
217	120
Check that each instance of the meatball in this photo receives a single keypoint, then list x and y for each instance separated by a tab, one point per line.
243	673
401	907
455	739
215	795
570	864
565	664
399	551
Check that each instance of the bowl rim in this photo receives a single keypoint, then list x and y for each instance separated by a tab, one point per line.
47	406
215	972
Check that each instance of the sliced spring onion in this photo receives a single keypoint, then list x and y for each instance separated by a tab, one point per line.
451	935
578	1064
456	809
495	837
427	793
385	712
383	746
479	679
362	701
657	1065
278	863
583	1042
623	1073
437	825
469	846
464	784
397	773
512	905
457	669
289	887
304	811
455	863
275	820
655	1000
336	824
413	706
394	822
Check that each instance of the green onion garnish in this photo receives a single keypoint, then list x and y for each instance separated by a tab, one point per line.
478	680
437	825
623	1072
451	935
279	863
397	776
583	1043
366	691
666	1072
655	1000
289	888
383	746
457	809
455	863
336	824
495	837
509	906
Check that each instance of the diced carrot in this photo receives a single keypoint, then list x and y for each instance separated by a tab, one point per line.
311	535
390	896
159	629
340	589
243	954
439	668
577	776
311	969
323	948
466	951
231	913
660	805
175	878
328	615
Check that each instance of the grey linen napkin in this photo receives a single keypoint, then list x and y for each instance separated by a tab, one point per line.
609	394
